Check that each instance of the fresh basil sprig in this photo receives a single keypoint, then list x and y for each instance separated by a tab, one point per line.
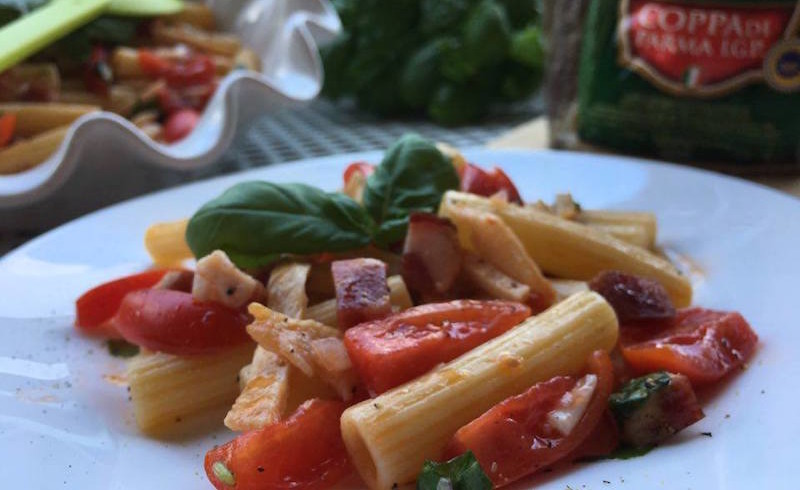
256	222
460	473
412	177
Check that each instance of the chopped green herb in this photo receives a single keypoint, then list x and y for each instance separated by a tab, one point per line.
122	348
652	408
460	473
223	473
635	394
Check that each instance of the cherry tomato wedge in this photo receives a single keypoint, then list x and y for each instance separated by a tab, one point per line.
303	452
363	168
8	125
151	64
516	437
388	352
602	441
179	124
171	321
476	180
98	305
197	69
703	344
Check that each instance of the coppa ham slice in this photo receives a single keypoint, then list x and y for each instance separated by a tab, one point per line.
362	293
431	254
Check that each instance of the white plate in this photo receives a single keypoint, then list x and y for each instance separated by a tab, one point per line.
105	158
63	426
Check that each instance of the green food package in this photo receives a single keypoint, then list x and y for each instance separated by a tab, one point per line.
715	82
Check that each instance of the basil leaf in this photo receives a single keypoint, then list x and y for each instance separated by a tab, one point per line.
256	222
460	473
412	177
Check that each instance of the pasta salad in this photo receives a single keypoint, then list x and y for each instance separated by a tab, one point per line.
423	326
157	72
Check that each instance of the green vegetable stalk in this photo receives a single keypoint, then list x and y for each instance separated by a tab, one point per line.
76	46
448	59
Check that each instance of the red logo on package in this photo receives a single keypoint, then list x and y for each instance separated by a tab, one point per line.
702	49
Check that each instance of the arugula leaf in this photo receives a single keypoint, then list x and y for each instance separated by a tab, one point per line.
413	176
256	222
460	473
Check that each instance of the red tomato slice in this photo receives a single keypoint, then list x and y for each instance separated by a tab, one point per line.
197	69
514	439
705	345
8	125
172	100
478	181
179	124
98	305
363	168
172	322
151	64
303	452
388	352
602	441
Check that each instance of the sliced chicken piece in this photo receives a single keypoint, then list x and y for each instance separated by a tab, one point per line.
298	341
217	279
286	289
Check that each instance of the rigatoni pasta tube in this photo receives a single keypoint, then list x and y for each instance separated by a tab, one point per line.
621	223
389	437
37	117
166	242
29	153
633	234
172	391
571	250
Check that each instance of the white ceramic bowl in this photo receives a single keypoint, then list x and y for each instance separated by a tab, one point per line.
104	158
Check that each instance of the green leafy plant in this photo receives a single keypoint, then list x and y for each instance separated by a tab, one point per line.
449	59
256	223
412	177
460	473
